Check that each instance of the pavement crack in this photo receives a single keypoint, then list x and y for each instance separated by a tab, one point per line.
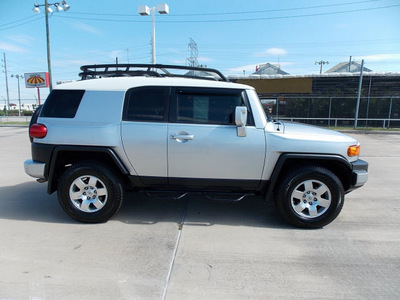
178	238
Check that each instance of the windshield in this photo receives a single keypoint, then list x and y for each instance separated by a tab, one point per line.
254	99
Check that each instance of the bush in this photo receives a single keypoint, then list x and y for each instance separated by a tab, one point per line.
27	113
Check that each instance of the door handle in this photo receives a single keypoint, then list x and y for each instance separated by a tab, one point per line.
182	136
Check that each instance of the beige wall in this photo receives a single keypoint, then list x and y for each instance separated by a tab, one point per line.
282	85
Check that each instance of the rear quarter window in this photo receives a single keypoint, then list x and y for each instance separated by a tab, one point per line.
62	104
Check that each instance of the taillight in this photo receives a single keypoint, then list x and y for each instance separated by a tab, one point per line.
38	131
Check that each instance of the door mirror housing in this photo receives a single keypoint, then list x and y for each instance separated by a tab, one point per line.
241	120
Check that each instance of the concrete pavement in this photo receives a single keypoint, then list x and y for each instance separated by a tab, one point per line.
223	251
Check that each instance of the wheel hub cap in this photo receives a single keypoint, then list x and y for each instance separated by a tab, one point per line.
88	193
310	199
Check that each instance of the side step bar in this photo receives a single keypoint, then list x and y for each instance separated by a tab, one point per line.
214	196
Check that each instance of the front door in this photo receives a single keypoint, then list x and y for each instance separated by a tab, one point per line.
203	146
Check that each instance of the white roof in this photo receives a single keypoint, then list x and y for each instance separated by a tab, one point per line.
125	83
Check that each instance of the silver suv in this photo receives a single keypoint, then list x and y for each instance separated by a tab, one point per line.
181	129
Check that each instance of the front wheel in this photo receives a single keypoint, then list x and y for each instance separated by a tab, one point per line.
310	197
90	193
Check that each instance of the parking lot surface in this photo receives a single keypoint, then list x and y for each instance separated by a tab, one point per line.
194	248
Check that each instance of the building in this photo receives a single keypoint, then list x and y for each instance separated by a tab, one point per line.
330	97
351	67
269	69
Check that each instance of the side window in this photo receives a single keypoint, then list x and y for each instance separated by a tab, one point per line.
62	104
145	104
207	107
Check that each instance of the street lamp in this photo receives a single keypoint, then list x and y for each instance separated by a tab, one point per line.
47	9
320	63
144	10
19	92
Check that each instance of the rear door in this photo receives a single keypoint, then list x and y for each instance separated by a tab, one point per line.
203	146
144	132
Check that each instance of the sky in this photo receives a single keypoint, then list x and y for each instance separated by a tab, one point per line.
233	36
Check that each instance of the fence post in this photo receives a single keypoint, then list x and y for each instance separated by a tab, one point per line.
277	108
359	94
330	110
390	111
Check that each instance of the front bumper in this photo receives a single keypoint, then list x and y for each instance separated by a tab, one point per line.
360	173
35	169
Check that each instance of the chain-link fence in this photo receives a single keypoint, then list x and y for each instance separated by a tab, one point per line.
336	111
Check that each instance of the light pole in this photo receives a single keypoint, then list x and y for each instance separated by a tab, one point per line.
19	92
144	10
47	9
321	62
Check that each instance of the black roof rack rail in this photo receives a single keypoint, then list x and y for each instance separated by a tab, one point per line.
157	70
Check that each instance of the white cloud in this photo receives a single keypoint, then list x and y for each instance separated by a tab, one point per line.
12	48
85	27
205	59
252	68
379	57
178	61
22	39
276	51
272	52
71	63
247	68
115	53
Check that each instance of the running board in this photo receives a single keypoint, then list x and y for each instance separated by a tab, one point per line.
214	196
160	195
225	197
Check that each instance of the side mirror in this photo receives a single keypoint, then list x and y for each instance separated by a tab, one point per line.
241	120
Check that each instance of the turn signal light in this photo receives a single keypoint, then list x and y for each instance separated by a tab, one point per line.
38	131
353	150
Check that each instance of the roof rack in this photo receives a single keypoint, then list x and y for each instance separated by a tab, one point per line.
150	70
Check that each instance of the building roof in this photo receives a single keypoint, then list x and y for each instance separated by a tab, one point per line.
269	69
344	67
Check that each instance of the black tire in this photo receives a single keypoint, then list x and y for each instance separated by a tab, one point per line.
310	197
90	192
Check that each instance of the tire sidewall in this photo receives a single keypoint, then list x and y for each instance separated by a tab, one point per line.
326	177
111	182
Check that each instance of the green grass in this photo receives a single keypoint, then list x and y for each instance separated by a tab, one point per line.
14	123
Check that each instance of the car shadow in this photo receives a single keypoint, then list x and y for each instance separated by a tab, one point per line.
30	201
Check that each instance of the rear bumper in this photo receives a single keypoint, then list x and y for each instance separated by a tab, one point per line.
35	169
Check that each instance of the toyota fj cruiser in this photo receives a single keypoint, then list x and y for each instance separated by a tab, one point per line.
182	129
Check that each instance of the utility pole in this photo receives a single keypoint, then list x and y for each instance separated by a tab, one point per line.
350	64
321	62
46	11
8	94
19	92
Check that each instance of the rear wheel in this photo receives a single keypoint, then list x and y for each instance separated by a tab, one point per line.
310	197
90	193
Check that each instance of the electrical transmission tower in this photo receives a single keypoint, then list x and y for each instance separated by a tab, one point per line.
194	54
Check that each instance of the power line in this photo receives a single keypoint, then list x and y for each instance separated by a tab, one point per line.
36	19
20	20
232	13
282	17
236	19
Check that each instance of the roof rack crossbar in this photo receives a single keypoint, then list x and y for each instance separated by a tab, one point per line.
117	70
